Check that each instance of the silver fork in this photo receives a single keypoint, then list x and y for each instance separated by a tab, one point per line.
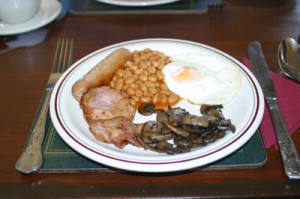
215	3
215	9
31	159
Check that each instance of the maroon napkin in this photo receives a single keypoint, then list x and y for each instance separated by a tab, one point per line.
288	95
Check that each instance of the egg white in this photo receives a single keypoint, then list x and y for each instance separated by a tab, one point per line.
202	79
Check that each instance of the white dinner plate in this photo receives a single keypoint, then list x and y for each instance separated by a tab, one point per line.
245	112
49	10
137	2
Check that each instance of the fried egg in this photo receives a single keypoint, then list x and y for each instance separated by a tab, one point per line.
202	79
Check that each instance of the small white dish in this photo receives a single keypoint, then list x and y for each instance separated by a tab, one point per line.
245	112
137	2
49	10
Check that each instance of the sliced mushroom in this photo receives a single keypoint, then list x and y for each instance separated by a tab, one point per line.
178	130
159	137
147	109
212	110
185	130
176	116
198	121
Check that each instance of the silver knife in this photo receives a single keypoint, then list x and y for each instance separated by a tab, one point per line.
290	158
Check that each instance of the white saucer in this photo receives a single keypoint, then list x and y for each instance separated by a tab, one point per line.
50	9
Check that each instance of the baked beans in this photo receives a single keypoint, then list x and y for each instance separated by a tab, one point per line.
142	79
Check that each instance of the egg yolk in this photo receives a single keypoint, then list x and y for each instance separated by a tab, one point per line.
187	74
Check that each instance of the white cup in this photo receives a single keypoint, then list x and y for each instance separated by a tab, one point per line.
18	11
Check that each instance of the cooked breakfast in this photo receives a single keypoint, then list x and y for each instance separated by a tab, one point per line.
202	79
106	103
177	131
143	80
102	73
109	115
119	131
150	82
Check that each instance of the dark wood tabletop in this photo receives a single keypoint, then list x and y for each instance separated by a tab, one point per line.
24	73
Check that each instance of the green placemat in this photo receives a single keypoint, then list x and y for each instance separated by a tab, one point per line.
59	157
83	7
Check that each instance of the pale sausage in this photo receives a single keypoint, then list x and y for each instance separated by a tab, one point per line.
102	73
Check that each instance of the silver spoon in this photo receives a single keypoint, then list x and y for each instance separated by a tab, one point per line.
289	58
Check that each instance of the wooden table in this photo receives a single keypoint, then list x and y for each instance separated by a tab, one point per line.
24	73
